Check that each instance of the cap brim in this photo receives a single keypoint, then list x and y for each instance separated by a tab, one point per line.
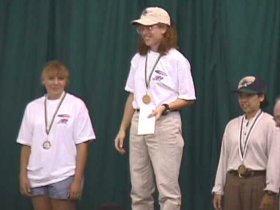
145	22
245	91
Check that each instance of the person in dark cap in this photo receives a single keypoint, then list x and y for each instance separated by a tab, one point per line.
247	177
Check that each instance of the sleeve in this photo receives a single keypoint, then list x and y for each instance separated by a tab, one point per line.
26	129
185	81
220	179
130	79
83	130
273	169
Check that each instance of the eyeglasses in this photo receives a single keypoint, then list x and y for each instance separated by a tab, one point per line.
140	29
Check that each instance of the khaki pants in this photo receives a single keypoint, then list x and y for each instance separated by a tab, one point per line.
244	193
156	156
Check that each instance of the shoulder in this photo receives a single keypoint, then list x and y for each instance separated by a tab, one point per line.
75	100
137	60
175	55
267	118
35	103
266	115
136	57
175	52
233	122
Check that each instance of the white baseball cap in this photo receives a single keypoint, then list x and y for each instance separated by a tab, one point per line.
153	15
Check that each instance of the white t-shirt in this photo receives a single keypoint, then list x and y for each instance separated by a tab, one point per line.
170	80
72	125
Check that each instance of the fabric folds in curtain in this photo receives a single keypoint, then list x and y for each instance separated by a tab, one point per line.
224	41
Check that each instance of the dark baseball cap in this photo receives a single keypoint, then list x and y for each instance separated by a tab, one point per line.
251	85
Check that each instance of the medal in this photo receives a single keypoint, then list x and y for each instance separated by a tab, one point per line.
242	170
46	144
146	99
243	145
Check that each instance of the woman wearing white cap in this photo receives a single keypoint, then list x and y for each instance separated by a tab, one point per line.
247	177
159	85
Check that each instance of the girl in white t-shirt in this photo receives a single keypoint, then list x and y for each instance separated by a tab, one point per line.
55	133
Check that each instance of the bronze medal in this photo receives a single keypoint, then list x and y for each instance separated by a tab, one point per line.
242	170
46	144
146	99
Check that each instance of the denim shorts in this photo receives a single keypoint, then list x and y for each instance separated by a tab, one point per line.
58	190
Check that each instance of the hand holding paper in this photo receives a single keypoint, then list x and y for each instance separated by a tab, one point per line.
146	124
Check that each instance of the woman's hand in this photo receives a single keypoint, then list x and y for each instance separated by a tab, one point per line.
76	189
25	188
268	202
158	112
119	142
217	201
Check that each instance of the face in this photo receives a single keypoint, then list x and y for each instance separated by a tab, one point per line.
152	35
276	113
250	103
54	85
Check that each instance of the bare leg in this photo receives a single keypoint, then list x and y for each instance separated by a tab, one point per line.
58	204
41	203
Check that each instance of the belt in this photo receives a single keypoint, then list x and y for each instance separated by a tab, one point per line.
248	173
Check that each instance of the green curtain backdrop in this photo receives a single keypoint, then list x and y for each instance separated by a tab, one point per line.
223	39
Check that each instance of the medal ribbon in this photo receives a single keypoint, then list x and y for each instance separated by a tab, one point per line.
243	151
147	82
53	117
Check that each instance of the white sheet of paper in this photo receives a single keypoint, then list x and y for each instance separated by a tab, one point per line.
146	125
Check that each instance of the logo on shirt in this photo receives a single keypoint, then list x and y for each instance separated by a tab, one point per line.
64	119
64	115
161	72
158	78
160	75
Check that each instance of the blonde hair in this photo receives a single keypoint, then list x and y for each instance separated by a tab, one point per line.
57	69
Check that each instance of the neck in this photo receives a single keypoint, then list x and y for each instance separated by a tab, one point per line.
154	48
251	115
54	96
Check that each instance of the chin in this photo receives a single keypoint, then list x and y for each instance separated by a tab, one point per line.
54	94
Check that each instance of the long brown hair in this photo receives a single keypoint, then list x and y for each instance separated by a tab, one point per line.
169	40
